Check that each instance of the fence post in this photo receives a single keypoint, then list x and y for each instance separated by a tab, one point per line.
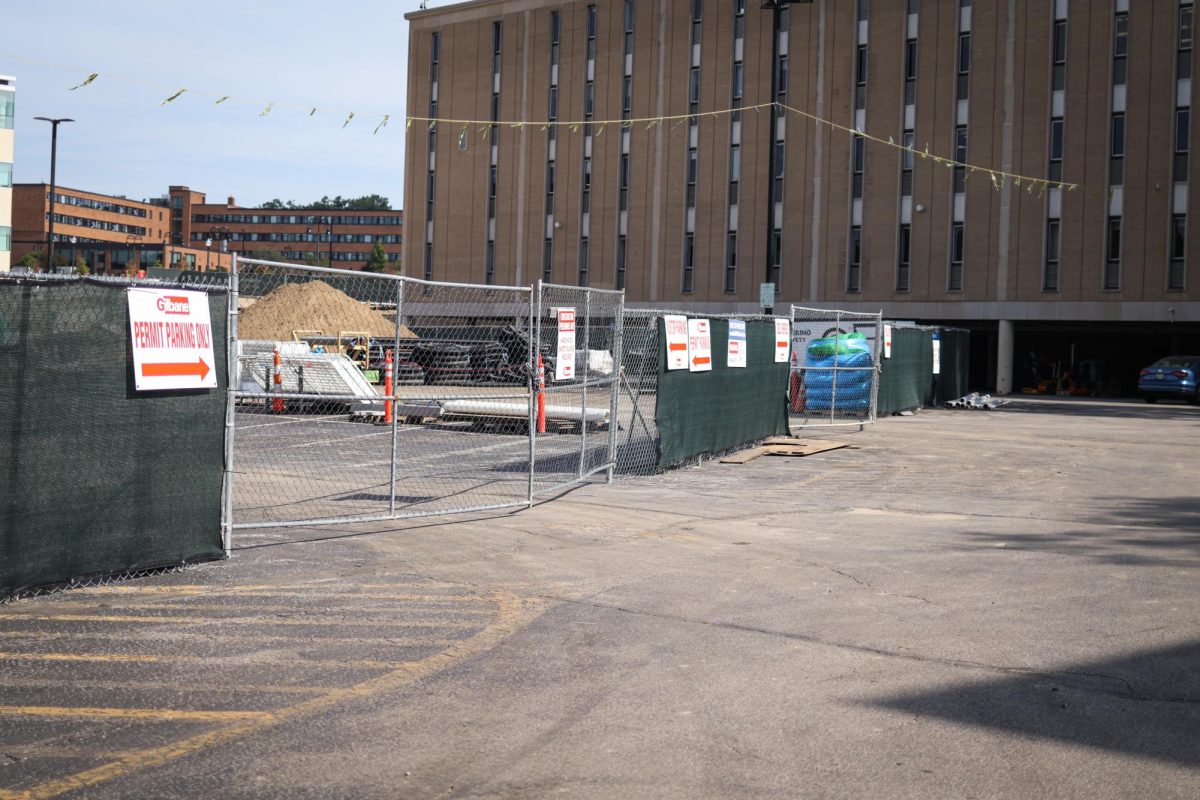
231	382
614	401
533	359
583	424
390	388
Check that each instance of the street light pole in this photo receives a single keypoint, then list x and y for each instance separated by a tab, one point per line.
54	123
331	241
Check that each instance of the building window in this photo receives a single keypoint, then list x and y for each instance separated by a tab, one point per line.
854	261
910	72
1112	260
6	169
620	262
8	109
903	256
1175	274
1120	47
964	65
858	165
1058	78
731	263
1050	269
954	282
489	263
1116	172
689	262
1056	149
547	259
960	155
583	261
1183	60
907	159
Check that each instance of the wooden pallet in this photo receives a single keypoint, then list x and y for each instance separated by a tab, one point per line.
784	446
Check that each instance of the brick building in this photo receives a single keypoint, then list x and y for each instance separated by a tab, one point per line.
109	233
345	237
698	211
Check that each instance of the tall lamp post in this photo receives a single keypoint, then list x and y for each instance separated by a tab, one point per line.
54	123
309	231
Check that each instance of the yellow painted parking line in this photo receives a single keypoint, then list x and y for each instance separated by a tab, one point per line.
227	620
164	714
329	596
241	636
235	660
240	688
513	613
361	610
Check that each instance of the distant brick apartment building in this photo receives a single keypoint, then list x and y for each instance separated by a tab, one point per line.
698	211
342	237
111	233
108	234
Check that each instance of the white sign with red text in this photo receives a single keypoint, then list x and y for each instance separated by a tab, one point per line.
699	345
172	340
676	327
564	363
736	356
783	339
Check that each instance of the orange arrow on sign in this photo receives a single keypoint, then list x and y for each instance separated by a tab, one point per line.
701	360
199	368
673	346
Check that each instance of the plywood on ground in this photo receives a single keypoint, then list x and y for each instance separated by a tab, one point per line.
784	446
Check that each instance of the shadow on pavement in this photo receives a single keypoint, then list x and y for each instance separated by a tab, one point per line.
1154	532
1114	408
1146	704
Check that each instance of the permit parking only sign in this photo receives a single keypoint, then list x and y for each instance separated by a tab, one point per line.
172	340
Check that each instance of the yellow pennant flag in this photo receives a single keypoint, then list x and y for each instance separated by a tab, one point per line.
86	81
221	100
266	110
347	122
173	97
386	117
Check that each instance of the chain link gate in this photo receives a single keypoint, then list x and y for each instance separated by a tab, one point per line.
835	366
357	397
576	422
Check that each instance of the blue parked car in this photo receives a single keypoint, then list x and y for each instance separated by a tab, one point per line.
1173	376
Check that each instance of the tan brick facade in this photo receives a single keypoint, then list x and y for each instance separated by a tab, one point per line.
1010	99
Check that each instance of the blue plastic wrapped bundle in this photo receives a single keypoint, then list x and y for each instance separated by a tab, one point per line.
846	388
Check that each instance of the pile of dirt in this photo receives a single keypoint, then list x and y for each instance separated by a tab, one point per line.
312	306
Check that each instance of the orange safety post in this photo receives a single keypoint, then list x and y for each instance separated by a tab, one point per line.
277	402
797	393
541	396
387	387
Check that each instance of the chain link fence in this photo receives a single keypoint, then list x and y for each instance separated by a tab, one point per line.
835	367
365	396
579	344
100	478
638	440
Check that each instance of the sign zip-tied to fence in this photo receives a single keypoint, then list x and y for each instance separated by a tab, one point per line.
834	376
357	397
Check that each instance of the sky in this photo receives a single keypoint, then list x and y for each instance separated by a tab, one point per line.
338	57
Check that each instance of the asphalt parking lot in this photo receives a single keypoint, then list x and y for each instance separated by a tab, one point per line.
963	604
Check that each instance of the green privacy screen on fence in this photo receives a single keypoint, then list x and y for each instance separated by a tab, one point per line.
906	380
708	412
96	478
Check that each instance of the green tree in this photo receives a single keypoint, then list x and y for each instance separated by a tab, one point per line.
378	259
81	266
32	259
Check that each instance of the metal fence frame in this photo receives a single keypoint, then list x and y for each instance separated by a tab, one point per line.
838	317
633	458
532	301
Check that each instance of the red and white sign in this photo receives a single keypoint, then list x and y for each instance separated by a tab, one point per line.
677	341
699	345
172	340
564	362
887	341
783	337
